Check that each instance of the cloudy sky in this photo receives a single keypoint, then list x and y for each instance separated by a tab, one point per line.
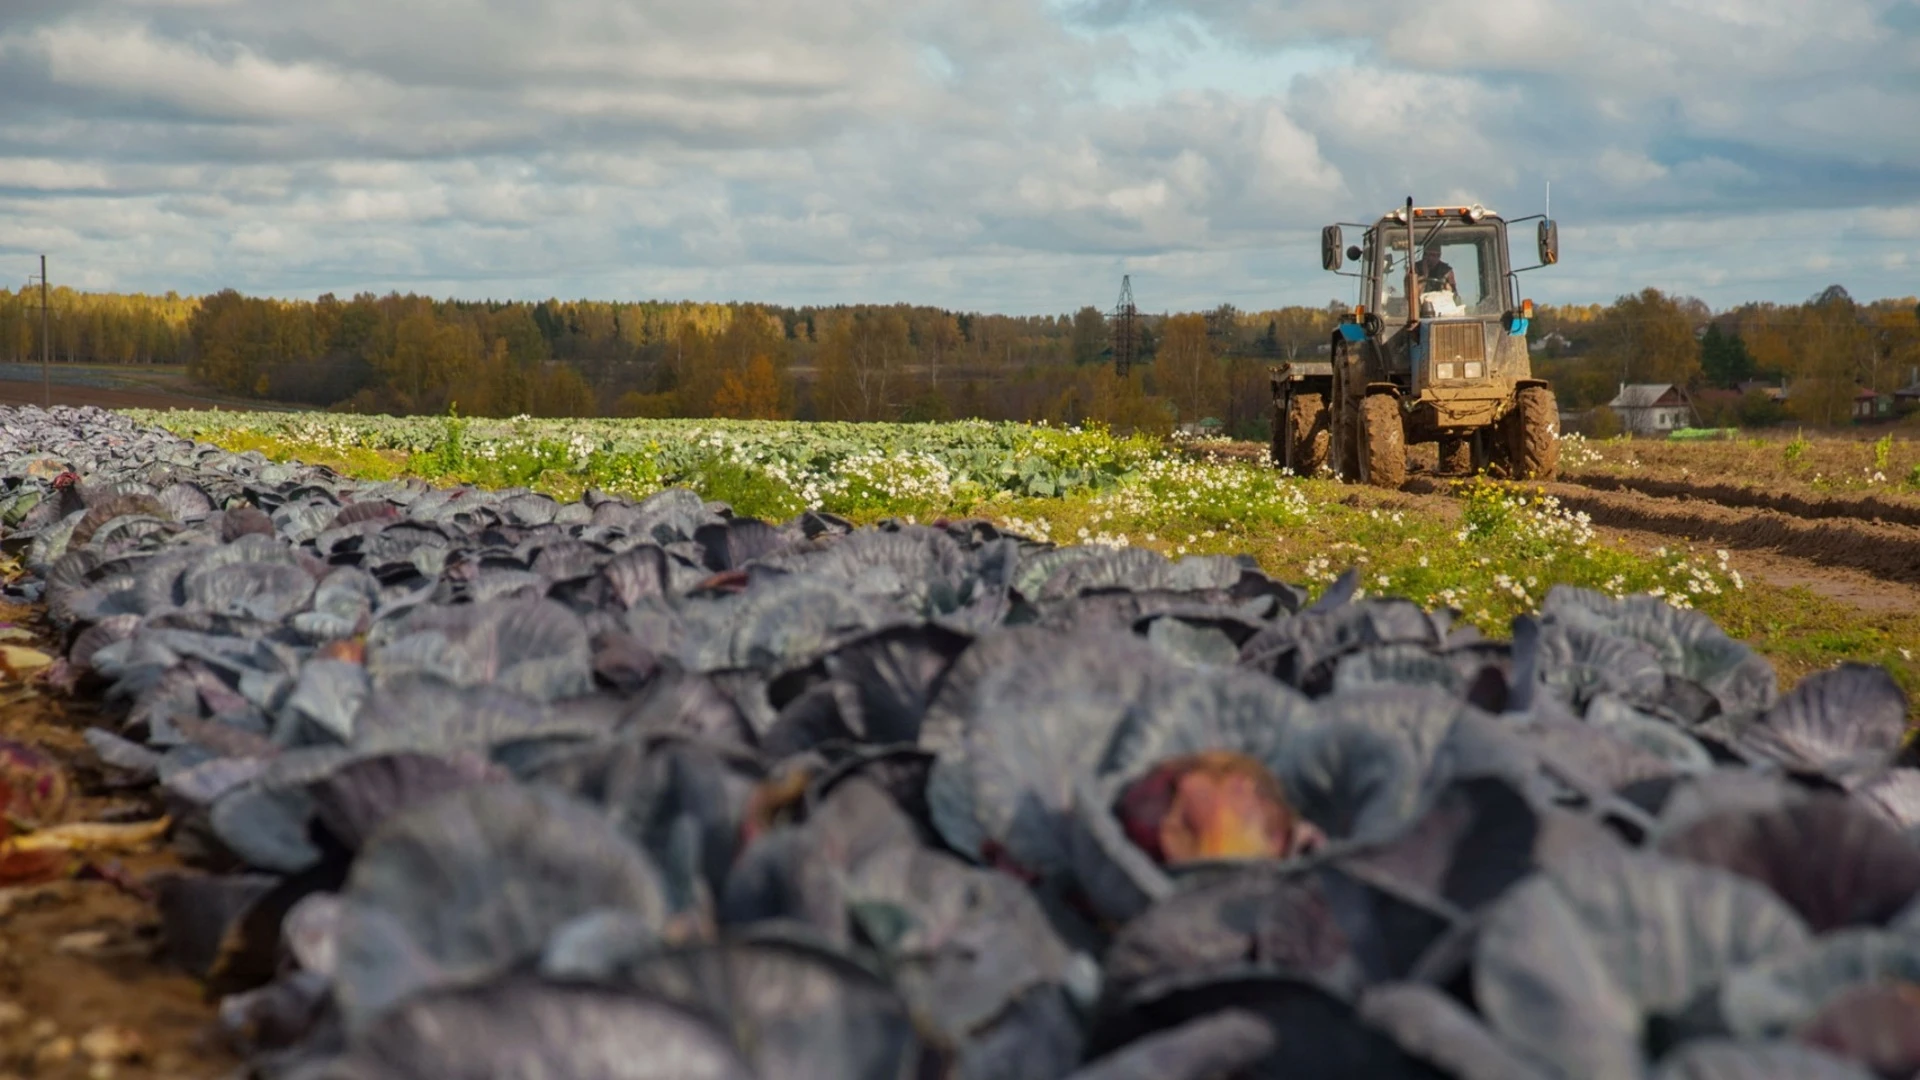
1009	155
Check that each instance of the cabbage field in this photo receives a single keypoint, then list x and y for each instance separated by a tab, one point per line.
1489	551
736	750
1071	485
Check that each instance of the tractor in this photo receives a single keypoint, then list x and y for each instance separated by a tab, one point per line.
1449	367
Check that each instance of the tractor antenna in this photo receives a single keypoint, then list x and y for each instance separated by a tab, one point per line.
1126	328
1547	211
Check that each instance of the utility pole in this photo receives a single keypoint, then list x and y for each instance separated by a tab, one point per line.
46	335
1126	328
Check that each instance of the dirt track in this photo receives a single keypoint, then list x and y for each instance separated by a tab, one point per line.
84	990
33	393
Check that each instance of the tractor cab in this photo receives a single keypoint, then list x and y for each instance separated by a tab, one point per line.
1439	335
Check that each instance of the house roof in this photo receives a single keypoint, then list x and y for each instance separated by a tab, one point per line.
1641	395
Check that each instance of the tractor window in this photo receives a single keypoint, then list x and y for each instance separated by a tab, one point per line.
1464	281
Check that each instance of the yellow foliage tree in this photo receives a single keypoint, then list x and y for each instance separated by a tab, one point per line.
751	394
1186	370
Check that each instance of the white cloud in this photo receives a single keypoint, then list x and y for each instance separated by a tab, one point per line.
231	82
1628	169
1010	154
47	174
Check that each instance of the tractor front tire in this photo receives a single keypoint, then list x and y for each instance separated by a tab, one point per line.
1456	457
1308	434
1383	450
1533	442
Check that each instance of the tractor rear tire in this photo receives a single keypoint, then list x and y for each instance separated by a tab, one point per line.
1308	434
1277	445
1456	457
1383	451
1533	442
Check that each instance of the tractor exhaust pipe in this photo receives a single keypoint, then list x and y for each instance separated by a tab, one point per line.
1413	295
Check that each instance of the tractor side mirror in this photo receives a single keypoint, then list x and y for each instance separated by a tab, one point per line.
1354	252
1549	242
1330	248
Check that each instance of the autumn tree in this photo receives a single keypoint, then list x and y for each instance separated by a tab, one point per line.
941	340
1895	328
1122	403
1298	331
862	366
1648	337
1185	368
432	361
1831	347
1723	357
1089	335
752	393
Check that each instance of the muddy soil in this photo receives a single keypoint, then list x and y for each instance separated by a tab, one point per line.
1832	463
1881	551
1858	588
1887	551
1870	508
84	989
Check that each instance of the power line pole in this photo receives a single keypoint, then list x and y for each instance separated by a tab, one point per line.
46	334
46	337
1126	329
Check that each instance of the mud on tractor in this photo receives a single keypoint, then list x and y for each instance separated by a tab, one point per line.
1450	368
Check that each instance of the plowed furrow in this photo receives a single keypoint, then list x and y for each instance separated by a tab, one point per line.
1864	508
1887	551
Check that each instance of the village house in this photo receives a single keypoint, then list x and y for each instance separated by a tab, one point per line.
1775	393
1652	408
1870	405
1907	398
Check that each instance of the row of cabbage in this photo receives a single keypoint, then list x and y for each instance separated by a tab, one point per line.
816	460
488	784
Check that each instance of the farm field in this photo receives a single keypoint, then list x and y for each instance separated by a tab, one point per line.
87	982
1807	589
109	386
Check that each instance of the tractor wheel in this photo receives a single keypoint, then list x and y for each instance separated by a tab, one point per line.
1346	460
1348	446
1533	442
1308	434
1277	446
1456	457
1383	458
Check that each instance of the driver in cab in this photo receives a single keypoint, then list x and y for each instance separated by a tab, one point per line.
1435	275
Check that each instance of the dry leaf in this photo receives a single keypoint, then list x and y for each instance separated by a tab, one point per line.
91	836
20	661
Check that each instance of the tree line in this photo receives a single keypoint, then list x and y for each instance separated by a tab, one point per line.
97	328
413	354
1821	352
